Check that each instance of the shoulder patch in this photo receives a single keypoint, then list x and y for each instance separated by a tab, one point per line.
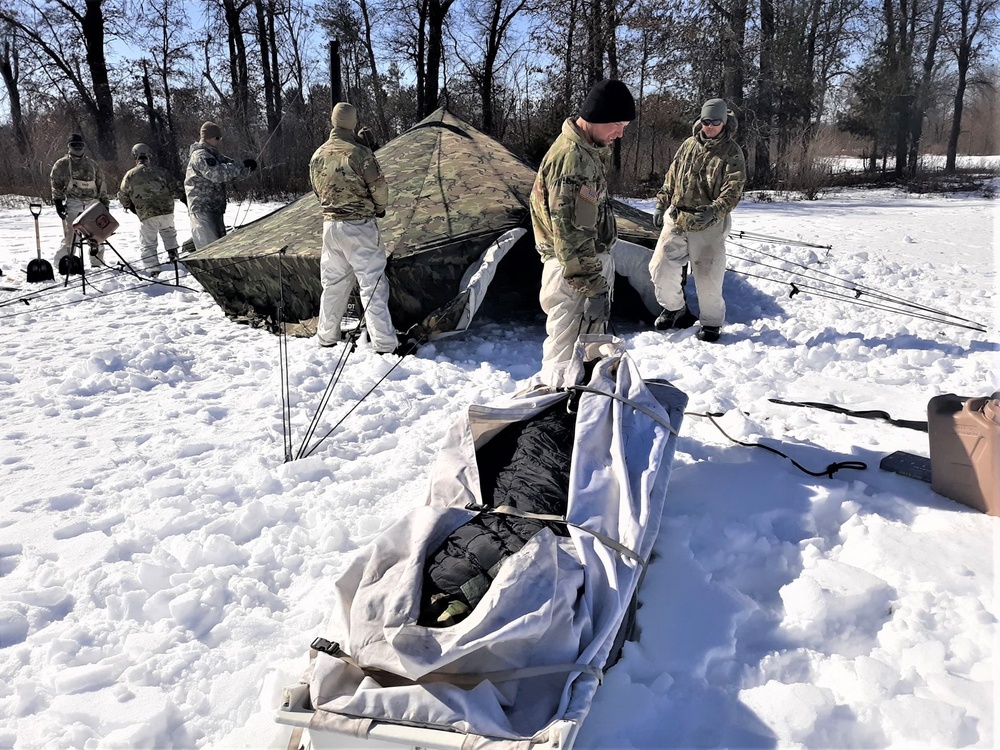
588	194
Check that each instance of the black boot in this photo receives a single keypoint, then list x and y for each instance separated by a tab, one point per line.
708	333
669	319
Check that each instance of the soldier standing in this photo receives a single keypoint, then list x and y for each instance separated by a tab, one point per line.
149	191
77	182
574	224
208	171
348	181
701	188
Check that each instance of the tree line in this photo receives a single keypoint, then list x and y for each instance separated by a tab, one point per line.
889	80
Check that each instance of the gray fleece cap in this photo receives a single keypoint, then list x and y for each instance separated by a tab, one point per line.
714	109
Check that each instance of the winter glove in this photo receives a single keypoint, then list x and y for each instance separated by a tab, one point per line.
704	215
127	209
60	208
658	217
380	213
597	309
407	347
588	286
367	137
250	164
672	213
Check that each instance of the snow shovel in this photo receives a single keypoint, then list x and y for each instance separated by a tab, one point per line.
38	269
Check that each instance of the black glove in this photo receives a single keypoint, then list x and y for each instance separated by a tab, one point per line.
250	164
127	209
704	215
407	347
60	208
672	213
658	217
597	309
367	136
380	214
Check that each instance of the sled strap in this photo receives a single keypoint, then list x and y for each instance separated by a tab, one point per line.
635	405
607	541
870	414
390	679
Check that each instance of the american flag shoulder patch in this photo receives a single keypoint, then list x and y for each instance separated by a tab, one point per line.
588	194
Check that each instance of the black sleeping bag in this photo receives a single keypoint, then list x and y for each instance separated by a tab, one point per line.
526	466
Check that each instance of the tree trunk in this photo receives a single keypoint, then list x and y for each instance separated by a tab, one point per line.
595	42
923	93
104	117
378	93
421	59
10	70
568	59
733	84
765	103
263	41
964	56
437	11
239	76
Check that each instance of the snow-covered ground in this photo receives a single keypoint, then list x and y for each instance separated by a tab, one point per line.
927	161
163	571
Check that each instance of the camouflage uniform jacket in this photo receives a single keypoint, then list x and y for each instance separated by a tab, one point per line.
570	211
78	177
208	171
704	172
347	179
149	191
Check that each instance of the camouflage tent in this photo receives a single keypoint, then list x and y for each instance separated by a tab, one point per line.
458	206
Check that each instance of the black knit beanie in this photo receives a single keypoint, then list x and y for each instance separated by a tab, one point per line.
608	101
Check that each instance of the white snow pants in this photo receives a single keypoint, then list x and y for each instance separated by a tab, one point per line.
563	307
149	229
707	252
353	249
75	207
206	228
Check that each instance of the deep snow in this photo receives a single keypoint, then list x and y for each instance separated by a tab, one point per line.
163	571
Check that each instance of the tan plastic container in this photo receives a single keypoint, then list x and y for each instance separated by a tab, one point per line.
96	223
965	449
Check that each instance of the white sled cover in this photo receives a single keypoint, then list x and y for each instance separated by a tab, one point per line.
557	604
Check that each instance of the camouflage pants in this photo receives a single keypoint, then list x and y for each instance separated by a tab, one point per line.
707	252
149	229
75	207
353	249
564	310
206	228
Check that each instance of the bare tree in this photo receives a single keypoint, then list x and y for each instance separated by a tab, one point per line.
491	24
169	47
268	45
10	69
923	91
975	26
55	29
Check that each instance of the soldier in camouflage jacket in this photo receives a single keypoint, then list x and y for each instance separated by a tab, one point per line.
348	181
208	172
574	225
702	186
77	183
149	191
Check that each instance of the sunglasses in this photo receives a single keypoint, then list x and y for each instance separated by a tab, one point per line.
710	123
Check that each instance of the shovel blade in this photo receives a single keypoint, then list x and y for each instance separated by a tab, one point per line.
39	270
